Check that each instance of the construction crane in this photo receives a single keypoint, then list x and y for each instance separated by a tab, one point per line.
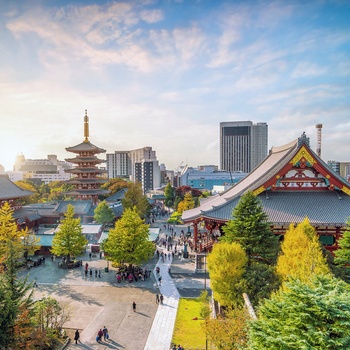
319	138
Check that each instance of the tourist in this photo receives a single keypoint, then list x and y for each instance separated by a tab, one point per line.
76	336
105	333
157	298
90	272
161	298
100	334
134	306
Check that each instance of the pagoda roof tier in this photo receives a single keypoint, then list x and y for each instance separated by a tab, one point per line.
88	159
87	192
8	190
79	170
292	182
85	146
77	180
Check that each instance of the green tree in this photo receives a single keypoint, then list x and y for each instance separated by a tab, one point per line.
16	297
134	198
251	229
69	240
103	214
342	254
304	316
128	241
226	265
301	254
169	194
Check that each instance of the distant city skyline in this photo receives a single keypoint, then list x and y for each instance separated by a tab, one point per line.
164	74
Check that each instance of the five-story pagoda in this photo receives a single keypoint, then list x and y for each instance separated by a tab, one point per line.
87	176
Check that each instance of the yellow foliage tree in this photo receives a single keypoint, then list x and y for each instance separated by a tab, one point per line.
226	265
186	204
301	254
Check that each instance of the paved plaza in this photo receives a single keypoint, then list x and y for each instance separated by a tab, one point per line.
95	302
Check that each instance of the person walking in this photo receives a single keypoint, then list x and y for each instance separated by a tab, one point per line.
134	306
161	298
105	333
100	334
76	336
157	298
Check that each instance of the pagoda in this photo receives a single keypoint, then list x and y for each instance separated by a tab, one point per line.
292	183
87	176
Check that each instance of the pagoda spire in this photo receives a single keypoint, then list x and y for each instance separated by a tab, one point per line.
86	127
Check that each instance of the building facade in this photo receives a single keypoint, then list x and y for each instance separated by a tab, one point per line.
46	170
243	145
139	165
205	177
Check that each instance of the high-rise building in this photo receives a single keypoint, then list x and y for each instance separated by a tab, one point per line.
243	145
139	165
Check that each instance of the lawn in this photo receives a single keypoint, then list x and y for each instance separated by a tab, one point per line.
188	332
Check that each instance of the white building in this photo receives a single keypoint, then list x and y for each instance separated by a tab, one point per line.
47	170
138	165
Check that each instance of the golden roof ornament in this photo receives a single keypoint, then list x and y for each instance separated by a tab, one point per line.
86	127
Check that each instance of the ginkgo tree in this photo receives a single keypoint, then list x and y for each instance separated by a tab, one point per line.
69	240
226	265
128	242
301	254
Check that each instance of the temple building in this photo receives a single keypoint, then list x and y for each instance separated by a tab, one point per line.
292	183
87	176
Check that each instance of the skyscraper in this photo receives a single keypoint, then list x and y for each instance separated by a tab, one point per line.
243	145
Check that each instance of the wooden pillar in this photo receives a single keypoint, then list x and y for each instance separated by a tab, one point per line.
195	232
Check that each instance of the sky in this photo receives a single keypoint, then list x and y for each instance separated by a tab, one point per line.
166	73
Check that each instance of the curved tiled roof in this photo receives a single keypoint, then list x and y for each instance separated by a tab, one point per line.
275	161
285	206
85	146
85	159
8	190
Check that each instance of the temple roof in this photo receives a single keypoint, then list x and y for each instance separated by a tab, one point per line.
80	207
89	159
78	180
288	205
118	196
85	146
8	190
86	192
79	170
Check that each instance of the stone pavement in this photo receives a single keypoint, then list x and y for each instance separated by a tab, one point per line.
96	302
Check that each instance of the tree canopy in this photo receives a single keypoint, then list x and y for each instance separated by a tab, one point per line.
301	253
304	316
226	265
128	241
103	214
69	240
169	193
134	198
251	229
186	204
342	254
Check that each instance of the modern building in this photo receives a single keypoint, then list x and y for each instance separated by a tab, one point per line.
119	165
243	145
46	170
87	176
205	177
292	183
139	165
342	168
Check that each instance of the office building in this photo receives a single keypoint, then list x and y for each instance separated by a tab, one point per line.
139	165
243	145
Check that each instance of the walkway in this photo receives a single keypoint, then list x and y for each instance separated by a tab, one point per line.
163	325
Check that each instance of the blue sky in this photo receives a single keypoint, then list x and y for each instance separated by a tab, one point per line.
166	73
